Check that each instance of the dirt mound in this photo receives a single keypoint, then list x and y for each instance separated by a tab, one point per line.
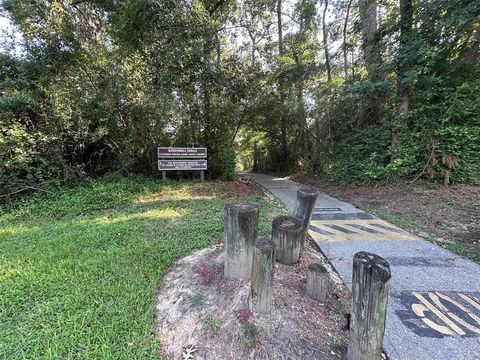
201	314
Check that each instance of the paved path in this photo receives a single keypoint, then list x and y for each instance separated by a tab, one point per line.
434	303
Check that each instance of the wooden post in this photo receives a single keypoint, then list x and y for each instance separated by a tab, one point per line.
164	175
287	237
241	223
261	296
202	176
306	198
317	282
370	285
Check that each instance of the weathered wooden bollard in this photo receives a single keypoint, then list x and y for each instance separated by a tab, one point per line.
304	205
287	237
317	282
370	285
241	224
261	296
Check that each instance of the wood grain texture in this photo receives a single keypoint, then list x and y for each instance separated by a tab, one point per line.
287	236
370	286
303	209
317	282
241	227
261	294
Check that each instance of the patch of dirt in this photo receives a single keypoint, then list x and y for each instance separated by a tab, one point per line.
449	214
198	310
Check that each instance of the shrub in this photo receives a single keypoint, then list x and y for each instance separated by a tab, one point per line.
222	164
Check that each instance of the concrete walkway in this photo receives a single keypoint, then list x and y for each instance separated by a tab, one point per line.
434	303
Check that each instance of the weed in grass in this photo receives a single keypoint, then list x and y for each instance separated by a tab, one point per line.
336	342
375	202
205	274
338	306
212	324
243	315
251	333
197	298
332	317
336	345
219	287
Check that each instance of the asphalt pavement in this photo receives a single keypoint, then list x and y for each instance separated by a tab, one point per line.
434	302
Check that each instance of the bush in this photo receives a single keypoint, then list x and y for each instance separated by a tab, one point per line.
221	164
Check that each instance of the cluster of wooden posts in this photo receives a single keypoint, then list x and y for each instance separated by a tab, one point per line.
246	255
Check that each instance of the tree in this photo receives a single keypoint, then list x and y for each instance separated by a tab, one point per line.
404	64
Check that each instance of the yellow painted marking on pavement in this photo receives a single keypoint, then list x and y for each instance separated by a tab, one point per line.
379	233
316	236
465	310
442	312
470	301
420	309
427	305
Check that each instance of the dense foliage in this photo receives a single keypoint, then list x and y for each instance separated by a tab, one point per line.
354	91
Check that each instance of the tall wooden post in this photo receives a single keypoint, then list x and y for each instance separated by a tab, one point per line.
306	198
370	285
241	224
164	175
261	294
287	236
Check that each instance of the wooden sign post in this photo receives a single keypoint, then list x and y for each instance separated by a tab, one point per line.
181	159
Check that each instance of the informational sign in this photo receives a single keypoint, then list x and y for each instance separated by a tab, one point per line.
181	153
169	165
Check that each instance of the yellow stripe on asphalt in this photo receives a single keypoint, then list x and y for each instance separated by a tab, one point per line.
356	229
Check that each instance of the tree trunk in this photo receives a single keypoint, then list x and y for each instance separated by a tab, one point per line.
283	120
255	157
317	282
403	65
254	44
472	56
279	27
370	285
345	27
372	56
303	210
261	295
240	224
371	51
325	43
287	237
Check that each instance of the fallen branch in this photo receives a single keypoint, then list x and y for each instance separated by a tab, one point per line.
27	187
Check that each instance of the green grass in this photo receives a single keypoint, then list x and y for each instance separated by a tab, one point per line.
417	222
405	221
79	267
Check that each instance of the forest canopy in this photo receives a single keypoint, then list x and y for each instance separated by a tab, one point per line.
353	91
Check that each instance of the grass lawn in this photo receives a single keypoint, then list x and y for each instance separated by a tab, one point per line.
79	268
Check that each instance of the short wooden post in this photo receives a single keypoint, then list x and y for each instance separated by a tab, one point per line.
241	224
164	175
317	282
370	285
261	295
287	237
306	199
202	176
